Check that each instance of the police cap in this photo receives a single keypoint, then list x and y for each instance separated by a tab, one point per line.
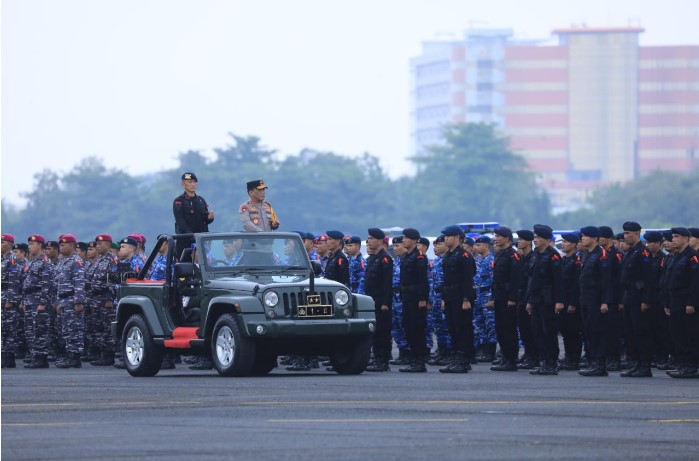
256	184
189	176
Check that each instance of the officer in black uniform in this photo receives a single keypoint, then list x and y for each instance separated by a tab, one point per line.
378	283
637	298
507	273
596	297
337	268
666	266
683	308
458	298
530	359
544	299
660	322
192	213
606	241
570	320
414	292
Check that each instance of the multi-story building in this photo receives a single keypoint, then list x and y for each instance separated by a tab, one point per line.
595	108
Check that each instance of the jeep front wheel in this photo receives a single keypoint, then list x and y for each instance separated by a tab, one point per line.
232	353
141	355
353	358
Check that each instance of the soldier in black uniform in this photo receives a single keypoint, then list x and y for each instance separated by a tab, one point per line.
596	297
337	268
544	299
378	283
507	274
665	267
458	298
414	292
606	236
683	307
659	322
570	320
530	359
192	213
637	285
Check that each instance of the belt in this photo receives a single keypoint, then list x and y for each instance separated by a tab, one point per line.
31	290
66	294
487	287
100	291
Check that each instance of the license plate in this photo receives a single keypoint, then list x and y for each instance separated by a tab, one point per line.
314	308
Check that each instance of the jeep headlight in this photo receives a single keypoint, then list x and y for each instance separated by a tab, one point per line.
341	298
271	299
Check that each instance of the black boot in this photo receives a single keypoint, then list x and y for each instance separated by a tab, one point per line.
687	370
92	354
505	365
570	364
599	369
39	361
204	363
487	352
629	373
71	361
106	360
614	364
168	362
457	364
417	365
403	358
380	364
302	363
643	370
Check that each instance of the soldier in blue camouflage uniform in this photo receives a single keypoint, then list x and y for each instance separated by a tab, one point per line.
10	303
357	263
91	350
397	328
321	247
102	295
484	334
438	321
423	245
56	346
70	293
231	251
37	300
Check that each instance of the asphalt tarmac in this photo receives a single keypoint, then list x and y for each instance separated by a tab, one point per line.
105	414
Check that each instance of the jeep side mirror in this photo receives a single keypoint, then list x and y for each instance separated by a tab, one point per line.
316	268
184	270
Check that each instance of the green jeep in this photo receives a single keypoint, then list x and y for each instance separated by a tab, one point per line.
242	299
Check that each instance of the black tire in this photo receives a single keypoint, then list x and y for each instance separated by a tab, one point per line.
264	363
232	353
141	355
352	359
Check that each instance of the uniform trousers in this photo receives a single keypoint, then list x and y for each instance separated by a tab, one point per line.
506	329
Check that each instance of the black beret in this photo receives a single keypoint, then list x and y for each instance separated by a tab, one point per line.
631	226
353	239
412	234
54	244
606	232
653	236
483	239
398	239
503	232
439	239
256	184
335	234
451	231
667	235
570	237
309	236
21	246
424	241
189	175
82	246
525	234
129	240
469	241
694	231
590	231
543	231
377	233
681	231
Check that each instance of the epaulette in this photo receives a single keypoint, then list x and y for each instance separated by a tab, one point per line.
516	256
385	259
604	254
694	259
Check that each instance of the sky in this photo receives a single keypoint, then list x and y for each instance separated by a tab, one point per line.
136	82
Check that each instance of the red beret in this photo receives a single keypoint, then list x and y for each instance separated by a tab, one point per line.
138	237
103	238
36	238
8	238
67	238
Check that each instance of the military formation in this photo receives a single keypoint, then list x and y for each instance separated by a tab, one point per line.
620	302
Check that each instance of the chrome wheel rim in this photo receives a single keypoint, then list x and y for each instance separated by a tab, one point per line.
135	346
225	346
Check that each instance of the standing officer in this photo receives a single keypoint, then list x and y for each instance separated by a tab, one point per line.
36	291
378	283
660	322
414	292
507	273
439	323
70	287
11	294
544	299
606	236
357	263
397	331
192	213
683	287
101	279
596	299
458	296
530	359
256	214
337	268
483	318
570	319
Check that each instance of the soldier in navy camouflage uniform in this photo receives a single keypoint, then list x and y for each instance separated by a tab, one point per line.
357	263
397	328
484	334
37	300
159	265
102	294
70	288
10	302
439	323
91	351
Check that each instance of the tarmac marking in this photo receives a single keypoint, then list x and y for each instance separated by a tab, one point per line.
45	424
470	402
83	404
372	420
674	420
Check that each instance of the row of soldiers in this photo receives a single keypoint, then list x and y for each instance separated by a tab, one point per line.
59	298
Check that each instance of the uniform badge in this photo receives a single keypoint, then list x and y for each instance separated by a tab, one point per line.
255	221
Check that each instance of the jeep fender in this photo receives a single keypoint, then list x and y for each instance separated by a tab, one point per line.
138	304
239	305
363	303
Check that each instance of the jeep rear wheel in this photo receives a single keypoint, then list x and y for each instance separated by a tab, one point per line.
142	356
352	359
232	353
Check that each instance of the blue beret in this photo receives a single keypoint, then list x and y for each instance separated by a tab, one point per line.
301	234
543	231
377	233
335	234
525	234
398	239
353	239
503	232
694	231
570	237
469	241
129	240
424	241
631	226
483	239
675	230
412	234
653	236
606	232
667	235
451	231
590	231
439	239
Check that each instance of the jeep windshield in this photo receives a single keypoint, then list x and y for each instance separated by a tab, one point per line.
255	253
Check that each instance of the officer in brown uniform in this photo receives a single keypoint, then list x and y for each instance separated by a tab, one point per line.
256	214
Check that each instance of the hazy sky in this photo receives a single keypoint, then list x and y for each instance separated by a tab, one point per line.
137	82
